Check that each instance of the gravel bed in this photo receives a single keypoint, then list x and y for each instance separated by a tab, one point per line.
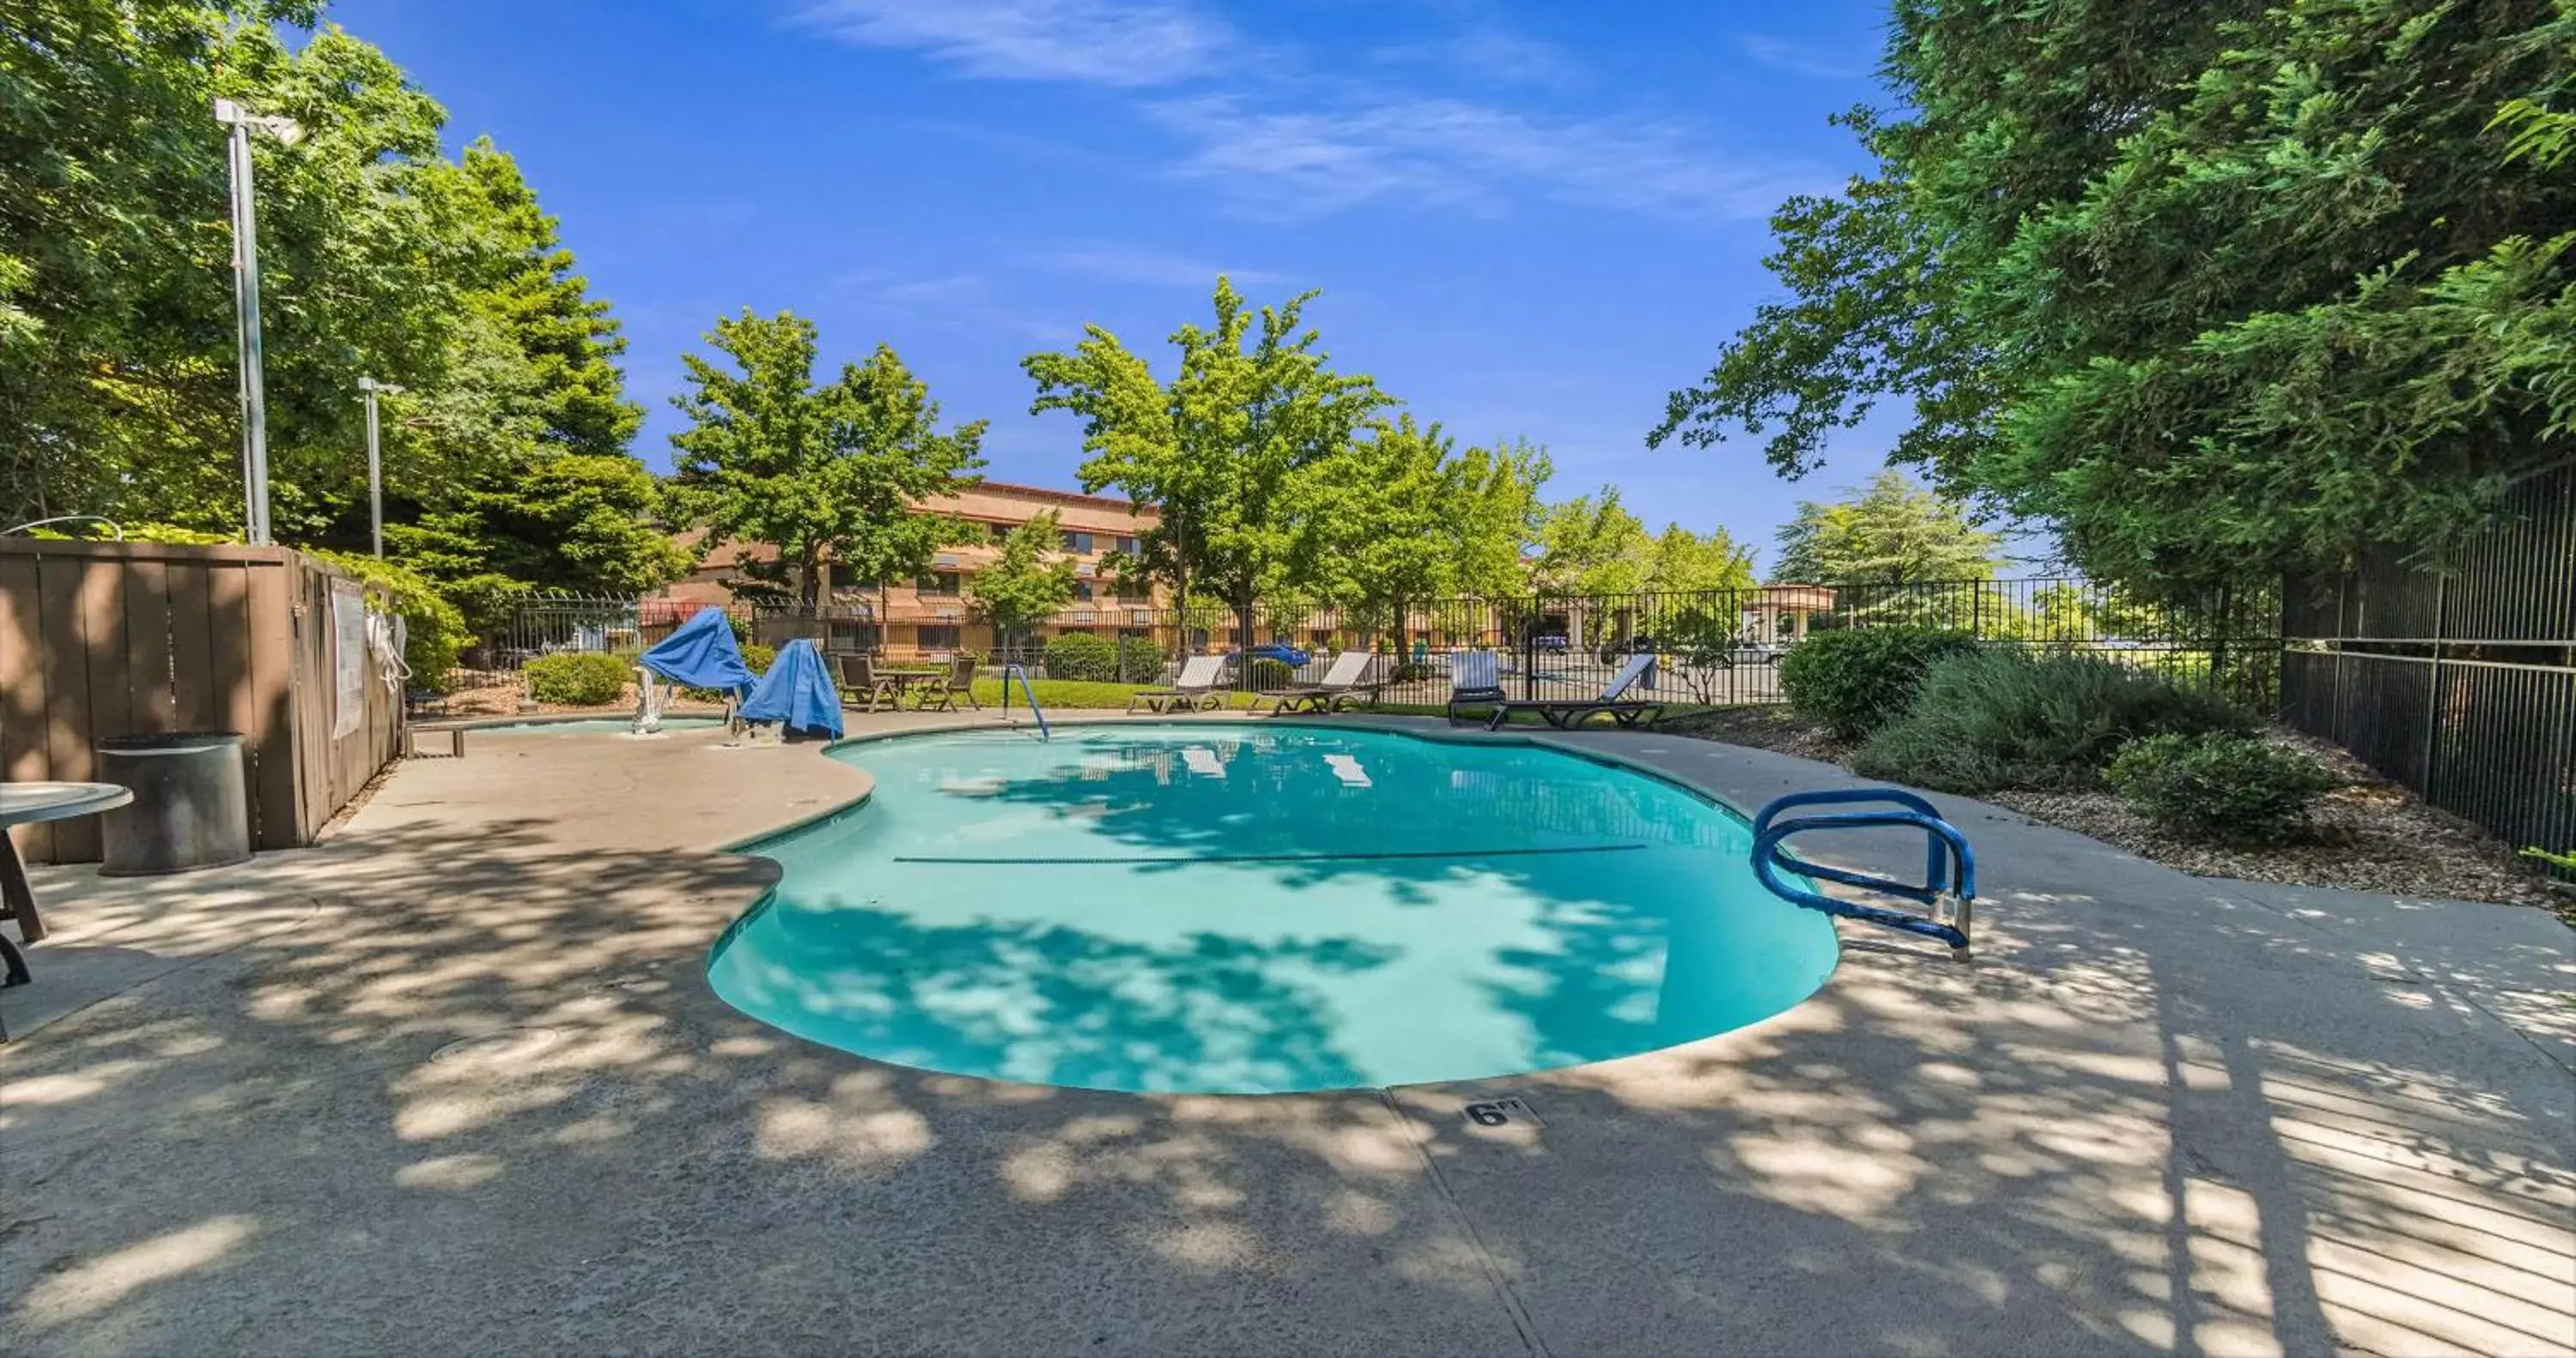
2370	834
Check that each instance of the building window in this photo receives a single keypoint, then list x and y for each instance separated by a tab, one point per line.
1082	591
854	636
1127	546
1077	542
937	637
1320	637
937	582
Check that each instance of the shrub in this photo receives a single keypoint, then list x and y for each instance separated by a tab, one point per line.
1141	658
1853	681
577	678
1411	671
758	658
1996	718
2228	787
1082	656
433	629
1269	674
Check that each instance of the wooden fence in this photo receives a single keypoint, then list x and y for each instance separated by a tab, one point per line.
101	639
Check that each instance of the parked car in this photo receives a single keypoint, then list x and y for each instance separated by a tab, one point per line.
1283	653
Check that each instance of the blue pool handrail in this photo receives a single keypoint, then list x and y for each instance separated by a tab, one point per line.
1027	690
1949	866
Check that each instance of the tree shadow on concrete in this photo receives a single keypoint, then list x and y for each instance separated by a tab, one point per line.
484	1101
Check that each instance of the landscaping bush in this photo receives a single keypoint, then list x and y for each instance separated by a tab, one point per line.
1141	657
433	629
578	678
1269	675
1080	656
1997	718
2241	789
1411	671
1852	682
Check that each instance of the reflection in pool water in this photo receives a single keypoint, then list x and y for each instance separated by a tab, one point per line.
1262	908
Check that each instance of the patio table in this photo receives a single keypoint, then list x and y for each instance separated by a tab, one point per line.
26	804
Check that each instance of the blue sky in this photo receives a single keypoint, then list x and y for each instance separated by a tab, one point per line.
1528	220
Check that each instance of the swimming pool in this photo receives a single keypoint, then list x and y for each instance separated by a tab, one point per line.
1249	908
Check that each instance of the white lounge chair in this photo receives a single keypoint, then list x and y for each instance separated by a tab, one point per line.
1193	690
1474	678
1563	713
1343	680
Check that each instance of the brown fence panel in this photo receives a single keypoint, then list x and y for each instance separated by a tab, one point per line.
109	639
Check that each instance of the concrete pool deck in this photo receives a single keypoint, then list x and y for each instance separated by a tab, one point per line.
452	1083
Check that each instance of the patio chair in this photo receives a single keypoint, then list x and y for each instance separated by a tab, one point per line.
941	694
862	687
1343	680
1193	690
1564	713
1474	680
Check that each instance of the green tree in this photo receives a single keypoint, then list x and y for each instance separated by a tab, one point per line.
1892	532
2214	290
1491	517
1592	545
1027	584
1680	560
833	472
1222	450
117	387
1371	525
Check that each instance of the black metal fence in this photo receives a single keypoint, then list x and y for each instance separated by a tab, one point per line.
2457	678
1714	647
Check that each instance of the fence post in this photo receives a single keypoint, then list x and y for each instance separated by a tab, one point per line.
2433	686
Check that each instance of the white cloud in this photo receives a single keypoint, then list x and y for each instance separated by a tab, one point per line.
1473	157
1823	63
1147	268
1489	53
1102	42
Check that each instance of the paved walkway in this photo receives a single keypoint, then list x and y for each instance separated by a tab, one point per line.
453	1084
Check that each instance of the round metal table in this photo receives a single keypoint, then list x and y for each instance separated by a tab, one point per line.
26	804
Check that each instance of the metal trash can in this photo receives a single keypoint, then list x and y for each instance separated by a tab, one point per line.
191	805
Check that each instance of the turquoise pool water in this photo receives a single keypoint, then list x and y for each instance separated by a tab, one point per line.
593	726
1254	909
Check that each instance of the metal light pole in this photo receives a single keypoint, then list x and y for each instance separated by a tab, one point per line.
254	400
371	388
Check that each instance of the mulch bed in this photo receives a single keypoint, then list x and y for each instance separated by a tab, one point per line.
2371	834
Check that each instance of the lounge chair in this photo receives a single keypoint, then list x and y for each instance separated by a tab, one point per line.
1193	690
1474	680
1564	713
941	694
1343	680
864	688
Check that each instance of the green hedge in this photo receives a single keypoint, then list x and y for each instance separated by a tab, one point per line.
578	678
1081	657
1270	675
1999	718
1852	682
2241	789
